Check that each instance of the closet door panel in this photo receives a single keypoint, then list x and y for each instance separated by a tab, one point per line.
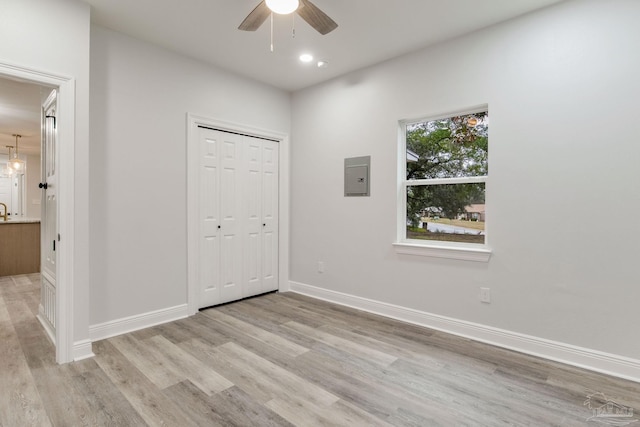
270	218
231	218
253	216
209	263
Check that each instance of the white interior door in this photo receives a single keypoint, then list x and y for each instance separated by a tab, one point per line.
17	195
220	263
238	216
49	223
253	217
231	222
261	216
270	202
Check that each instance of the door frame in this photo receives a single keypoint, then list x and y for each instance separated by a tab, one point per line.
64	342
193	195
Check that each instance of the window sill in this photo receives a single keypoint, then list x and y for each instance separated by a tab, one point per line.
463	253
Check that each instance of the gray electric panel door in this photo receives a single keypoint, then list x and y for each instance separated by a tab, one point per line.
356	176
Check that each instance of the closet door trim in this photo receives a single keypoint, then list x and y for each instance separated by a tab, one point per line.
193	194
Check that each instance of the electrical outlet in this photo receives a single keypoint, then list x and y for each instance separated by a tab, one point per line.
485	295
320	266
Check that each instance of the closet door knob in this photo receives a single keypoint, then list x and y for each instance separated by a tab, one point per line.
43	185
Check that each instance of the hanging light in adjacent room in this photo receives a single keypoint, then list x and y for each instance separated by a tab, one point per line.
283	7
15	162
6	170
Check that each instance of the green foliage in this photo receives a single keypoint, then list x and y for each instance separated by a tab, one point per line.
417	230
446	148
449	148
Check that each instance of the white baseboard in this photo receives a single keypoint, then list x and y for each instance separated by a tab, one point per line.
133	323
594	360
82	350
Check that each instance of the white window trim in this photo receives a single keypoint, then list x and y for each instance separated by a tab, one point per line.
463	253
432	248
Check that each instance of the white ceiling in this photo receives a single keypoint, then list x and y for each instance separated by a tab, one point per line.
20	114
369	32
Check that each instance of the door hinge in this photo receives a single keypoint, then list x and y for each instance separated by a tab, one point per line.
58	237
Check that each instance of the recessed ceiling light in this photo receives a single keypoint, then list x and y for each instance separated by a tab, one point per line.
323	64
305	57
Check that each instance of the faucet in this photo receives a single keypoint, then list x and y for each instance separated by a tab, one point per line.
5	211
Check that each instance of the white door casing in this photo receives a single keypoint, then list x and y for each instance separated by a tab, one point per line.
236	228
66	124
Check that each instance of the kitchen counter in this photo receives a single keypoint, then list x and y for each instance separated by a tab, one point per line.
19	220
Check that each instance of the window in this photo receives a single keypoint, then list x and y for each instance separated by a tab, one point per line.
444	180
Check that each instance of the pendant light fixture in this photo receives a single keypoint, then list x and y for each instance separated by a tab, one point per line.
15	162
6	170
283	7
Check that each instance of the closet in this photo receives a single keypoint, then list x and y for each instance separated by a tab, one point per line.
238	216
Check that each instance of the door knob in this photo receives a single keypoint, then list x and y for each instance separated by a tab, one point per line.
43	185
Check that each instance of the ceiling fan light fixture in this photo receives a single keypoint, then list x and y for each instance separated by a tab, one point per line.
283	7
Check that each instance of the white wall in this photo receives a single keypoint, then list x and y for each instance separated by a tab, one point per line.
53	36
562	88
140	96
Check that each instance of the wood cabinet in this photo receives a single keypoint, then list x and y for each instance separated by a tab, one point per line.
19	248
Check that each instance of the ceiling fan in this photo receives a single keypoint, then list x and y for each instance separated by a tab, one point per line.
307	11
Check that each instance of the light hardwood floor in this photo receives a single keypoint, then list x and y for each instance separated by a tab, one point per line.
282	360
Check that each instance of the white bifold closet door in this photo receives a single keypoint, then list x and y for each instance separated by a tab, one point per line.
238	216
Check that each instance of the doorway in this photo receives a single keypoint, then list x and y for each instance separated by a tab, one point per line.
64	153
22	232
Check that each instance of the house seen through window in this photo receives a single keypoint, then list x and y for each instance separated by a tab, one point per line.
446	173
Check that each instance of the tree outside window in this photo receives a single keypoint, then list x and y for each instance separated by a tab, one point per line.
446	172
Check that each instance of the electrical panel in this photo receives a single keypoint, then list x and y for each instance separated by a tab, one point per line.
356	176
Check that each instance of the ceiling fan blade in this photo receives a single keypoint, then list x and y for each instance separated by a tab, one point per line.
316	18
256	18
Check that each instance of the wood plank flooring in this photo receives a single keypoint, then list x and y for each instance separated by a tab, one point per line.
283	360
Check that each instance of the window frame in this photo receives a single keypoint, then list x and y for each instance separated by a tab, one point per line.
434	248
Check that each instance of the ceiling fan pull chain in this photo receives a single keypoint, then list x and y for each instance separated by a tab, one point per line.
293	25
272	32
